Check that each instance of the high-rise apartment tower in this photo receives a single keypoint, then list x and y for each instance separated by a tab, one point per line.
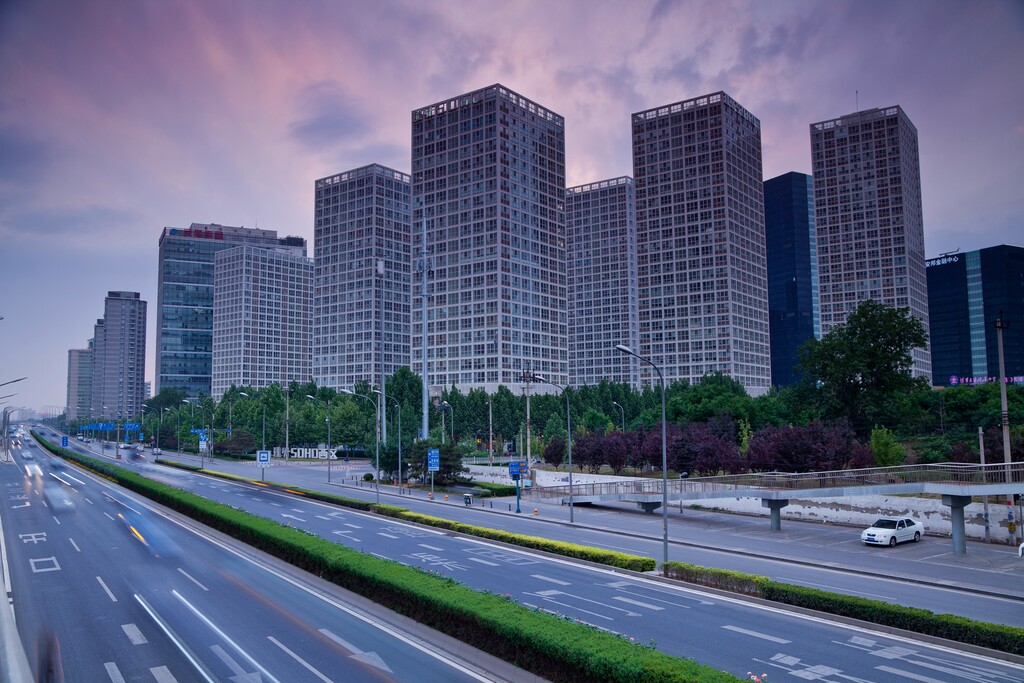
701	245
362	246
488	175
867	205
603	299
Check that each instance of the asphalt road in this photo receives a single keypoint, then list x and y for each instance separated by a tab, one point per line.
718	630
986	584
114	589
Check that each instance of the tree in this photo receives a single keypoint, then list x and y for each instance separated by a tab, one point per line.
616	451
554	452
886	451
859	369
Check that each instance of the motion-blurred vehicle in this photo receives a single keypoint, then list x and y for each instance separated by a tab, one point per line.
145	528
892	530
58	498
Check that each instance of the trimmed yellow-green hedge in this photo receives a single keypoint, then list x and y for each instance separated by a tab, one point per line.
994	636
558	649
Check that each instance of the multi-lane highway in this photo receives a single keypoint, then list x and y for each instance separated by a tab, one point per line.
108	588
714	629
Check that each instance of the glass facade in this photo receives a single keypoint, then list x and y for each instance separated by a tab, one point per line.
489	181
603	297
262	317
184	344
967	293
792	270
701	260
119	357
867	204
362	243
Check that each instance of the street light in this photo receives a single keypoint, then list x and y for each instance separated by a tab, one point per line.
664	451
376	433
568	433
330	452
623	411
445	406
398	408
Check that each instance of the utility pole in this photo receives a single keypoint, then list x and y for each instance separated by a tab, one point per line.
1005	419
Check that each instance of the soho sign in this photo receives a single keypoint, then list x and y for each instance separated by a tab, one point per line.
310	453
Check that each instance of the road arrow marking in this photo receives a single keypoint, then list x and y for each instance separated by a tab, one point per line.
300	519
371	658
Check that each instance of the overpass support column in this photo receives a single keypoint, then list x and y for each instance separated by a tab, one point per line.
775	506
956	517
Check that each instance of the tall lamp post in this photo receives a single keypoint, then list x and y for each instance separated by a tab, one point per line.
664	451
445	406
398	409
623	411
330	451
568	433
376	433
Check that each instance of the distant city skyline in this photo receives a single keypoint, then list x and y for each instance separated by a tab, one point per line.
117	120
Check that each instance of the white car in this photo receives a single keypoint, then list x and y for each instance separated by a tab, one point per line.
892	530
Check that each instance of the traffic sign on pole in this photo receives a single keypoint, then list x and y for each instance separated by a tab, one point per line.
263	457
433	460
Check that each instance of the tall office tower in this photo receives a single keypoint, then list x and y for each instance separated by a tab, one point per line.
262	317
362	261
489	183
80	364
184	326
867	205
119	357
967	293
792	270
603	298
701	245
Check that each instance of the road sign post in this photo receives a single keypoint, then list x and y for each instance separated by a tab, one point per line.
433	465
263	459
517	469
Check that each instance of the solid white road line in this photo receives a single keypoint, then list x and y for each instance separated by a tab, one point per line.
192	579
637	603
223	636
174	639
300	660
908	674
429	547
109	594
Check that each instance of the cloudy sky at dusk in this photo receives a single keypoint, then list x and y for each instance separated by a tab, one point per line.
120	117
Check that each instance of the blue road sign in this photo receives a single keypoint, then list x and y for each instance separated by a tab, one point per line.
63	442
131	426
197	431
263	457
433	460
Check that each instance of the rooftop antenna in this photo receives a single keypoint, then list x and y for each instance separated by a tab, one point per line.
856	100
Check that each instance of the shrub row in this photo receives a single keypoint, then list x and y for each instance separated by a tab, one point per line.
994	636
550	646
494	489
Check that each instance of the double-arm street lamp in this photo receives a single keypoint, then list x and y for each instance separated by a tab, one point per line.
376	433
330	451
398	409
664	451
568	433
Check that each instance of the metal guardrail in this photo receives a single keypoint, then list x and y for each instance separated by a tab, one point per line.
943	473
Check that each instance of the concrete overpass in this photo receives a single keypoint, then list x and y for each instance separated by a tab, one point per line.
957	484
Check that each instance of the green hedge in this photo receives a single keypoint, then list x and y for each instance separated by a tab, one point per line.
550	646
994	636
497	490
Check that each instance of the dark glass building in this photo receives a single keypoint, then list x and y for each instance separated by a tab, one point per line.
967	293
792	270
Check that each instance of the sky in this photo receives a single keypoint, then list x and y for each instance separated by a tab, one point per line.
121	117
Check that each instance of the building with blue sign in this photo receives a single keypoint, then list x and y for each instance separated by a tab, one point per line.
967	293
